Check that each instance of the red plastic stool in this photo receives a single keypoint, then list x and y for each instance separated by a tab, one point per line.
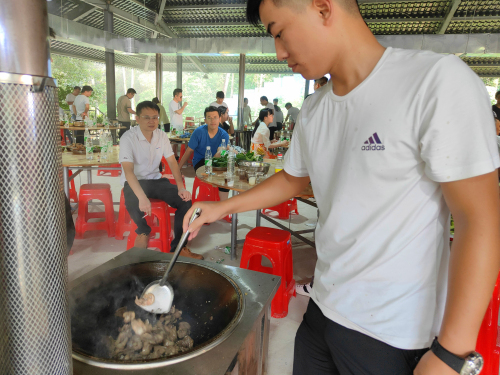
104	172
124	223
284	209
276	245
101	192
159	210
73	196
204	192
488	344
63	138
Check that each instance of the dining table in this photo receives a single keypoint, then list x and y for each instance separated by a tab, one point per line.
71	161
219	179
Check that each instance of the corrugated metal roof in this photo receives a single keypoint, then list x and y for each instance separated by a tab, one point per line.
226	18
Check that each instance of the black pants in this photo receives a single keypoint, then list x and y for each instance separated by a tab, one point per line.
200	164
127	125
271	132
156	189
279	126
323	347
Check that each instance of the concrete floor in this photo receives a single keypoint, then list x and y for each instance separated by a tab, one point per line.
96	248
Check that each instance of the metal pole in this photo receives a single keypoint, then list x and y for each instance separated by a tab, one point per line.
241	91
306	91
159	76
179	72
109	58
35	330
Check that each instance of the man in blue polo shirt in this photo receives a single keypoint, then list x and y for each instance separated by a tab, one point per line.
207	135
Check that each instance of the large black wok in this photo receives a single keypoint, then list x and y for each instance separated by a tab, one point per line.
211	303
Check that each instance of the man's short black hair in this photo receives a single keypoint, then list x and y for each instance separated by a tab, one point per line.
321	81
155	100
264	98
245	99
276	100
253	6
288	104
220	94
177	91
77	88
498	93
87	88
146	104
131	91
212	109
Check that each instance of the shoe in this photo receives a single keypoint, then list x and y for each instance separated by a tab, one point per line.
185	252
142	241
304	290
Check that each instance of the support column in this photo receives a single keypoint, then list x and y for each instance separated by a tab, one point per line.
109	58
306	91
179	72
241	91
159	76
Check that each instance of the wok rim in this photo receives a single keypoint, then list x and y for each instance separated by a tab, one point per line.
152	364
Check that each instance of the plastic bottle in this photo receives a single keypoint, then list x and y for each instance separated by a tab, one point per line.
103	142
110	142
86	136
89	148
230	162
223	147
279	164
208	161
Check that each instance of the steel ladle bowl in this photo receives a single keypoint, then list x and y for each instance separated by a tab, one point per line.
254	166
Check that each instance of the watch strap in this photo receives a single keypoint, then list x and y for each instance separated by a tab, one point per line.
452	360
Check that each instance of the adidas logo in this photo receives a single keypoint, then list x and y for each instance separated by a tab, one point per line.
373	144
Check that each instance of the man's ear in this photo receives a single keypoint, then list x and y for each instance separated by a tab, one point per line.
324	8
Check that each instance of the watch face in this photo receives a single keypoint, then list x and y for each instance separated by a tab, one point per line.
473	364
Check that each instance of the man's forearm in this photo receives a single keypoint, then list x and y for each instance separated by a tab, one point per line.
273	191
186	155
134	184
474	262
172	163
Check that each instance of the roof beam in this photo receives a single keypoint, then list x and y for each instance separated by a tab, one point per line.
196	61
447	19
126	16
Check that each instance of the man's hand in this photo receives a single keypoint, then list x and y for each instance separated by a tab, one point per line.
210	212
432	365
185	195
145	205
185	105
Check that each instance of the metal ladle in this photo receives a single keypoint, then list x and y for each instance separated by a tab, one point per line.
160	291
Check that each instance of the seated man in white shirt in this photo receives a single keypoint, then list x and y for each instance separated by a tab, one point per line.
141	151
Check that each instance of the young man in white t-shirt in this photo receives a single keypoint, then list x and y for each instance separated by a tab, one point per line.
219	100
389	154
141	150
176	110
80	108
70	98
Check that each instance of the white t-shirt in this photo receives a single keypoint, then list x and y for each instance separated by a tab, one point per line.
376	157
80	102
217	105
70	98
294	114
134	148
261	135
175	119
246	115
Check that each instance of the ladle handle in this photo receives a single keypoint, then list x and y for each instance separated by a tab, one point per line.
181	244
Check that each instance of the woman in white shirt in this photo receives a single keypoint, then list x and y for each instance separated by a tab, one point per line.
260	136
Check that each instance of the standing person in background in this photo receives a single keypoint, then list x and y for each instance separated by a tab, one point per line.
175	109
70	98
81	107
278	118
275	101
67	133
320	82
496	107
226	122
247	113
265	103
219	100
163	116
293	113
124	109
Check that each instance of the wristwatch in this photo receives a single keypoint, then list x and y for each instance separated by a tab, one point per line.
471	365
